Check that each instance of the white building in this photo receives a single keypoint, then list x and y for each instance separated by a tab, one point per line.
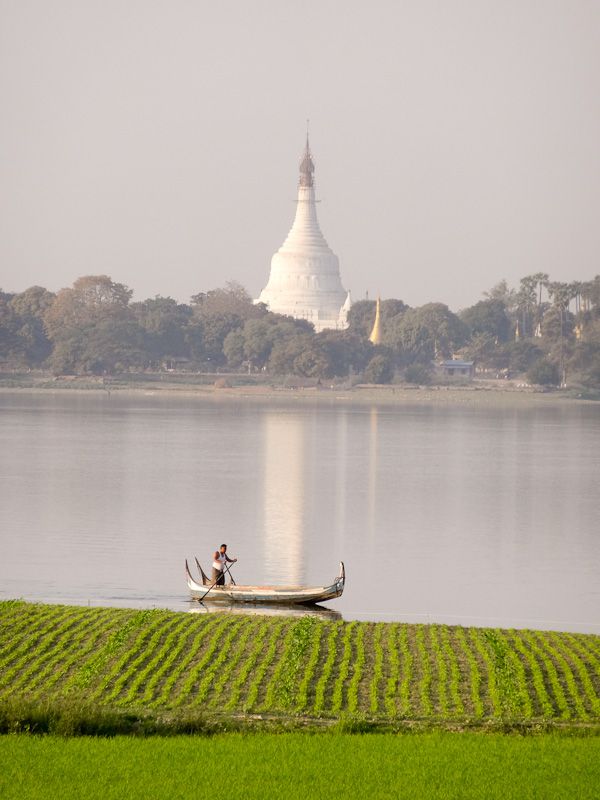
305	273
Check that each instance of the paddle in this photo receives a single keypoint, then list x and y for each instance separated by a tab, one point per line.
212	586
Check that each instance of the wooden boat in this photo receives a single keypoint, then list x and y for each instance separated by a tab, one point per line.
280	595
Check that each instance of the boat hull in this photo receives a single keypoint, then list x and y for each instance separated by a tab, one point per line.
280	595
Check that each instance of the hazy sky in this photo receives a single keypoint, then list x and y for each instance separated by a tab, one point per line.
456	142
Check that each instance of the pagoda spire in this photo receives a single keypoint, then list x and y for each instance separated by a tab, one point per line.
307	165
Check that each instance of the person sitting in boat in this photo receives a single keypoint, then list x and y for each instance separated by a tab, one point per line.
219	562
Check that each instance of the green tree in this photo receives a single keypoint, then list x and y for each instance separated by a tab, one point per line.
233	348
544	373
522	355
526	304
418	373
259	336
380	369
229	300
501	291
312	362
345	351
488	317
424	333
90	299
163	322
10	343
23	337
92	327
361	316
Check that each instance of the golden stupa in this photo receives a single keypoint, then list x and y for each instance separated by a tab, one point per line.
375	337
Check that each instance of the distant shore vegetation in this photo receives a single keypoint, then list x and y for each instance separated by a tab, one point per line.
546	331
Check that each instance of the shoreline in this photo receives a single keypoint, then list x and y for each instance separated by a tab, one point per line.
478	394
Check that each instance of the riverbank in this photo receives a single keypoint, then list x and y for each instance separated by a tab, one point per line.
241	388
69	670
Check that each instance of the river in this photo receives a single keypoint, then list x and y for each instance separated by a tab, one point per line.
458	515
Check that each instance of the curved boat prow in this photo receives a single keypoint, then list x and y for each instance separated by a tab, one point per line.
203	575
193	585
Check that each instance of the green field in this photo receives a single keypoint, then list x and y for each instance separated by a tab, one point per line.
169	666
301	766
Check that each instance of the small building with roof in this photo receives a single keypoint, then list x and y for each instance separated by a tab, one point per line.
457	368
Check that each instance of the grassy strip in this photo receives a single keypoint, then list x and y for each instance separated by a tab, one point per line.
241	679
216	664
546	641
144	668
550	670
474	674
377	678
517	669
239	648
442	670
576	643
57	668
13	648
264	666
391	687
190	683
95	668
576	652
311	666
546	709
337	698
170	654
424	687
20	621
458	708
319	705
487	659
168	692
24	667
134	657
429	765
407	665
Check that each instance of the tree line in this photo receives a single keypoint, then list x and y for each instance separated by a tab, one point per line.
547	329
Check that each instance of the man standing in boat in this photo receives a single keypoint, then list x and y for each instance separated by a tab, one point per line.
219	563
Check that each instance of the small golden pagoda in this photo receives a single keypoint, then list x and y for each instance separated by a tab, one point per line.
375	337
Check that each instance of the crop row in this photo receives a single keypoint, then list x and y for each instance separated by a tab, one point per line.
230	663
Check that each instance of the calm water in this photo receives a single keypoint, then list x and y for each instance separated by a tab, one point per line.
458	515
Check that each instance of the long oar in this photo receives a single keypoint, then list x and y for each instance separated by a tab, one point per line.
212	586
215	583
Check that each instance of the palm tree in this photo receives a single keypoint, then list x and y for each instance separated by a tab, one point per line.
561	295
542	279
526	299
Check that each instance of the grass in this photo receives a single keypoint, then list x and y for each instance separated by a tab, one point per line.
162	669
299	766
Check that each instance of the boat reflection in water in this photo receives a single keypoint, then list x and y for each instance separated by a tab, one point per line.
321	612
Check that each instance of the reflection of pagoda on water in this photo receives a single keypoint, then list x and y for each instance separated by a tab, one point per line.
284	500
305	278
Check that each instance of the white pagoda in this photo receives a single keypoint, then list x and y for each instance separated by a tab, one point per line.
305	272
